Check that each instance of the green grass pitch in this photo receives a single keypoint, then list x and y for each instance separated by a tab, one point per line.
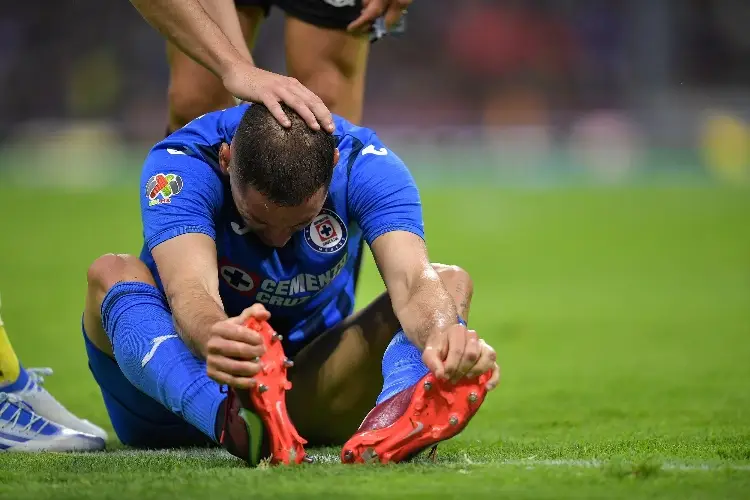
621	317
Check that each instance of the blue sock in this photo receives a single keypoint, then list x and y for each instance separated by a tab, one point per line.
402	365
154	359
18	384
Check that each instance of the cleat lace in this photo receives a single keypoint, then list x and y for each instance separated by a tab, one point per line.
12	401
36	375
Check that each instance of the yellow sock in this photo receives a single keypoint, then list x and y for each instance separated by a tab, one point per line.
10	369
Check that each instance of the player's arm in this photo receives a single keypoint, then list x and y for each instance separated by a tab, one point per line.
385	202
187	24
178	226
422	304
426	310
188	271
189	275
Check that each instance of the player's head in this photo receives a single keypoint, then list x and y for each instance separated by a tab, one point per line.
279	176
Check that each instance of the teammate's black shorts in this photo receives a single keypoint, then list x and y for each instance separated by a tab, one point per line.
335	14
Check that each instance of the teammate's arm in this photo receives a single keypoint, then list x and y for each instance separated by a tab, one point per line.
224	14
372	9
187	24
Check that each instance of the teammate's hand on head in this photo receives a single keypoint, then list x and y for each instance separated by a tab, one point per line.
373	9
458	352
233	351
253	84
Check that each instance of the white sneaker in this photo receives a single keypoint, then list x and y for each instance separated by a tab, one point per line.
23	430
45	405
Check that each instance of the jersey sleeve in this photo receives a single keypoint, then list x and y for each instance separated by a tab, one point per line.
180	194
383	196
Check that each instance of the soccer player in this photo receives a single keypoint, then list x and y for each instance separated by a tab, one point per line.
327	49
245	219
31	419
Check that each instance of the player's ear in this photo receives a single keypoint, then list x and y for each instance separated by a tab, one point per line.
225	154
335	156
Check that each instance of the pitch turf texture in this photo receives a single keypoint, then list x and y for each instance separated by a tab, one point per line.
621	318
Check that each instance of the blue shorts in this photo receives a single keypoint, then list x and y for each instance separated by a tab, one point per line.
138	420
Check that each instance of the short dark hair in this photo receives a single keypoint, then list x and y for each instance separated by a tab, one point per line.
287	165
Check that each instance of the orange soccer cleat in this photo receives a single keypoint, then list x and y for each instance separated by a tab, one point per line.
421	416
256	423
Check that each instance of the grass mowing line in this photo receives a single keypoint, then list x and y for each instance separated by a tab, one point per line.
583	464
330	458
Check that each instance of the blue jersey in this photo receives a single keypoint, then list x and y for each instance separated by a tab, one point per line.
308	285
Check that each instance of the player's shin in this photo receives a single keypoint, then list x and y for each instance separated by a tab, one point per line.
151	355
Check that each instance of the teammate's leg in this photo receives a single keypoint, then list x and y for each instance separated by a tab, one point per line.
28	386
330	62
193	90
339	376
24	405
11	372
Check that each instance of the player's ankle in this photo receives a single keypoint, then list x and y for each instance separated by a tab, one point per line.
221	417
14	382
402	366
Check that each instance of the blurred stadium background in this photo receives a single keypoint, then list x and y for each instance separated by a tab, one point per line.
587	161
532	91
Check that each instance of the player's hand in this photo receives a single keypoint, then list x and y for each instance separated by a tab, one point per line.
458	352
233	350
253	84
373	9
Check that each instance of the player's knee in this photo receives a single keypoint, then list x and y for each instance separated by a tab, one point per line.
455	277
188	101
110	269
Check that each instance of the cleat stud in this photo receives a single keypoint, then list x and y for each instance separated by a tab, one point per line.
348	455
308	459
262	388
473	397
278	336
369	456
288	363
427	385
453	420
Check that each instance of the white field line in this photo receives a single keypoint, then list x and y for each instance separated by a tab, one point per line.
529	463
